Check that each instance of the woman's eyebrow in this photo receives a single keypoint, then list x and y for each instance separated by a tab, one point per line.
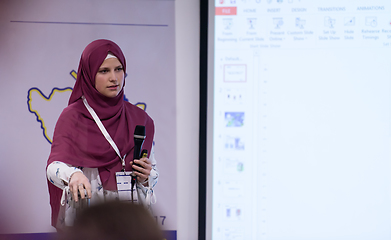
103	68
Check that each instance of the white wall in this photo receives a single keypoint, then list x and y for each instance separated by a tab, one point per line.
187	73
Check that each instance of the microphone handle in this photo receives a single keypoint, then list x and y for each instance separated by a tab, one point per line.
138	143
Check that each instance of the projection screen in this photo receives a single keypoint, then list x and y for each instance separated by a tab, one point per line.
299	120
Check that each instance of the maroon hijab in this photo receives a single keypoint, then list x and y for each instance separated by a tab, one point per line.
77	139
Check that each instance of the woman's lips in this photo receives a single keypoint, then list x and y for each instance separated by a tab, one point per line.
112	87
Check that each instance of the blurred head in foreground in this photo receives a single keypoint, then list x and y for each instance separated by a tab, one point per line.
114	221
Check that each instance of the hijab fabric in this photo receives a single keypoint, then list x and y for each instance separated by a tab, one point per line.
77	139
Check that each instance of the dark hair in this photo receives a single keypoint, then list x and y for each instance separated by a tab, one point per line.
114	221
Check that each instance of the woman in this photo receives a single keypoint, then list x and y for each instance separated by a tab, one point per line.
83	161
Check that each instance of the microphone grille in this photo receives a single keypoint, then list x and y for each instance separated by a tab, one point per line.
139	130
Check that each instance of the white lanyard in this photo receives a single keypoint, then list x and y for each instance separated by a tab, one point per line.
104	131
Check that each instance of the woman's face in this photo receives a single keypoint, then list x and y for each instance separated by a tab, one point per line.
110	77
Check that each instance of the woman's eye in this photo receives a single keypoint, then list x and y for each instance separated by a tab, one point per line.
119	69
103	71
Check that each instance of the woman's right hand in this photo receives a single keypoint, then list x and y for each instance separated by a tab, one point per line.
78	184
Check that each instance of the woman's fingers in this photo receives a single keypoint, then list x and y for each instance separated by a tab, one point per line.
82	192
142	168
79	185
88	190
74	190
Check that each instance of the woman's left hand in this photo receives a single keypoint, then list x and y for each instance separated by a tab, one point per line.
142	168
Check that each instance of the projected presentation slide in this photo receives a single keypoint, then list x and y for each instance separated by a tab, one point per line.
301	120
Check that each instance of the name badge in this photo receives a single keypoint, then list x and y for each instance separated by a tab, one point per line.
124	187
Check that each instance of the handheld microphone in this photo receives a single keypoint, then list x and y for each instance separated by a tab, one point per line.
139	136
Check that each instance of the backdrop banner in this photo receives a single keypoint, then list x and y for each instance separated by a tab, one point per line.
41	43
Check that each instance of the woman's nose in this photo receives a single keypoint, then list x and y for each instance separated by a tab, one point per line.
113	77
